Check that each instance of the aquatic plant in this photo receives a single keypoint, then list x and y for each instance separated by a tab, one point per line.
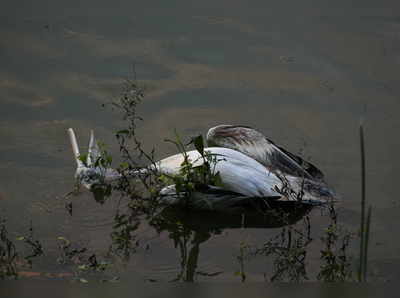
81	261
12	259
364	223
34	245
123	238
336	264
243	252
193	178
8	254
288	250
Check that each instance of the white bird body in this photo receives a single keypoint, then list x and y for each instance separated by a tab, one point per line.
248	164
239	173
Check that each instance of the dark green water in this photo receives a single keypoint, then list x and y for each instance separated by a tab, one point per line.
302	73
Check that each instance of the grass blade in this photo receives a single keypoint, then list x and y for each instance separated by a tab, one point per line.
366	241
362	223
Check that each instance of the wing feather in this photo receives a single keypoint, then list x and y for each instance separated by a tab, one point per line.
254	144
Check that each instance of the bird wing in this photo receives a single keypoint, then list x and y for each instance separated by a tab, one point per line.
93	152
254	144
75	147
307	166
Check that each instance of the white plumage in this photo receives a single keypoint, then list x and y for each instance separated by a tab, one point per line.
239	173
249	165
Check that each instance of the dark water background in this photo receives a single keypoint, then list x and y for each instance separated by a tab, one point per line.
304	73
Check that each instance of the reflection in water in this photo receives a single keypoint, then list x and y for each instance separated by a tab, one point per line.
188	229
194	228
288	250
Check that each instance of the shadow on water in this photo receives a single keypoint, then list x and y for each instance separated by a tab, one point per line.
276	216
189	229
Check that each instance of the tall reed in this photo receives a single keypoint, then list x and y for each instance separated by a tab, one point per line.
364	224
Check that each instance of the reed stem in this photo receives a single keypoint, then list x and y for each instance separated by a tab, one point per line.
362	224
366	241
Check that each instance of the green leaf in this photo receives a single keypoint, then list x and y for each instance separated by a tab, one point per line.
83	267
124	165
63	239
199	144
217	180
83	158
123	132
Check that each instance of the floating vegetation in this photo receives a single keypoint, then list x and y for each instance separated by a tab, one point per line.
288	250
34	245
336	264
123	237
12	260
243	248
82	261
8	254
68	253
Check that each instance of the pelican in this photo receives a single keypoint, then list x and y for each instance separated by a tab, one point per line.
249	165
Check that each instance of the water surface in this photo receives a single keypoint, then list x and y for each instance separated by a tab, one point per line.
302	73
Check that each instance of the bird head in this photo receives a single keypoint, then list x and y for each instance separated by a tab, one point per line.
232	136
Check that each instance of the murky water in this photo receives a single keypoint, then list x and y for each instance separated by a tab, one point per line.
303	74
